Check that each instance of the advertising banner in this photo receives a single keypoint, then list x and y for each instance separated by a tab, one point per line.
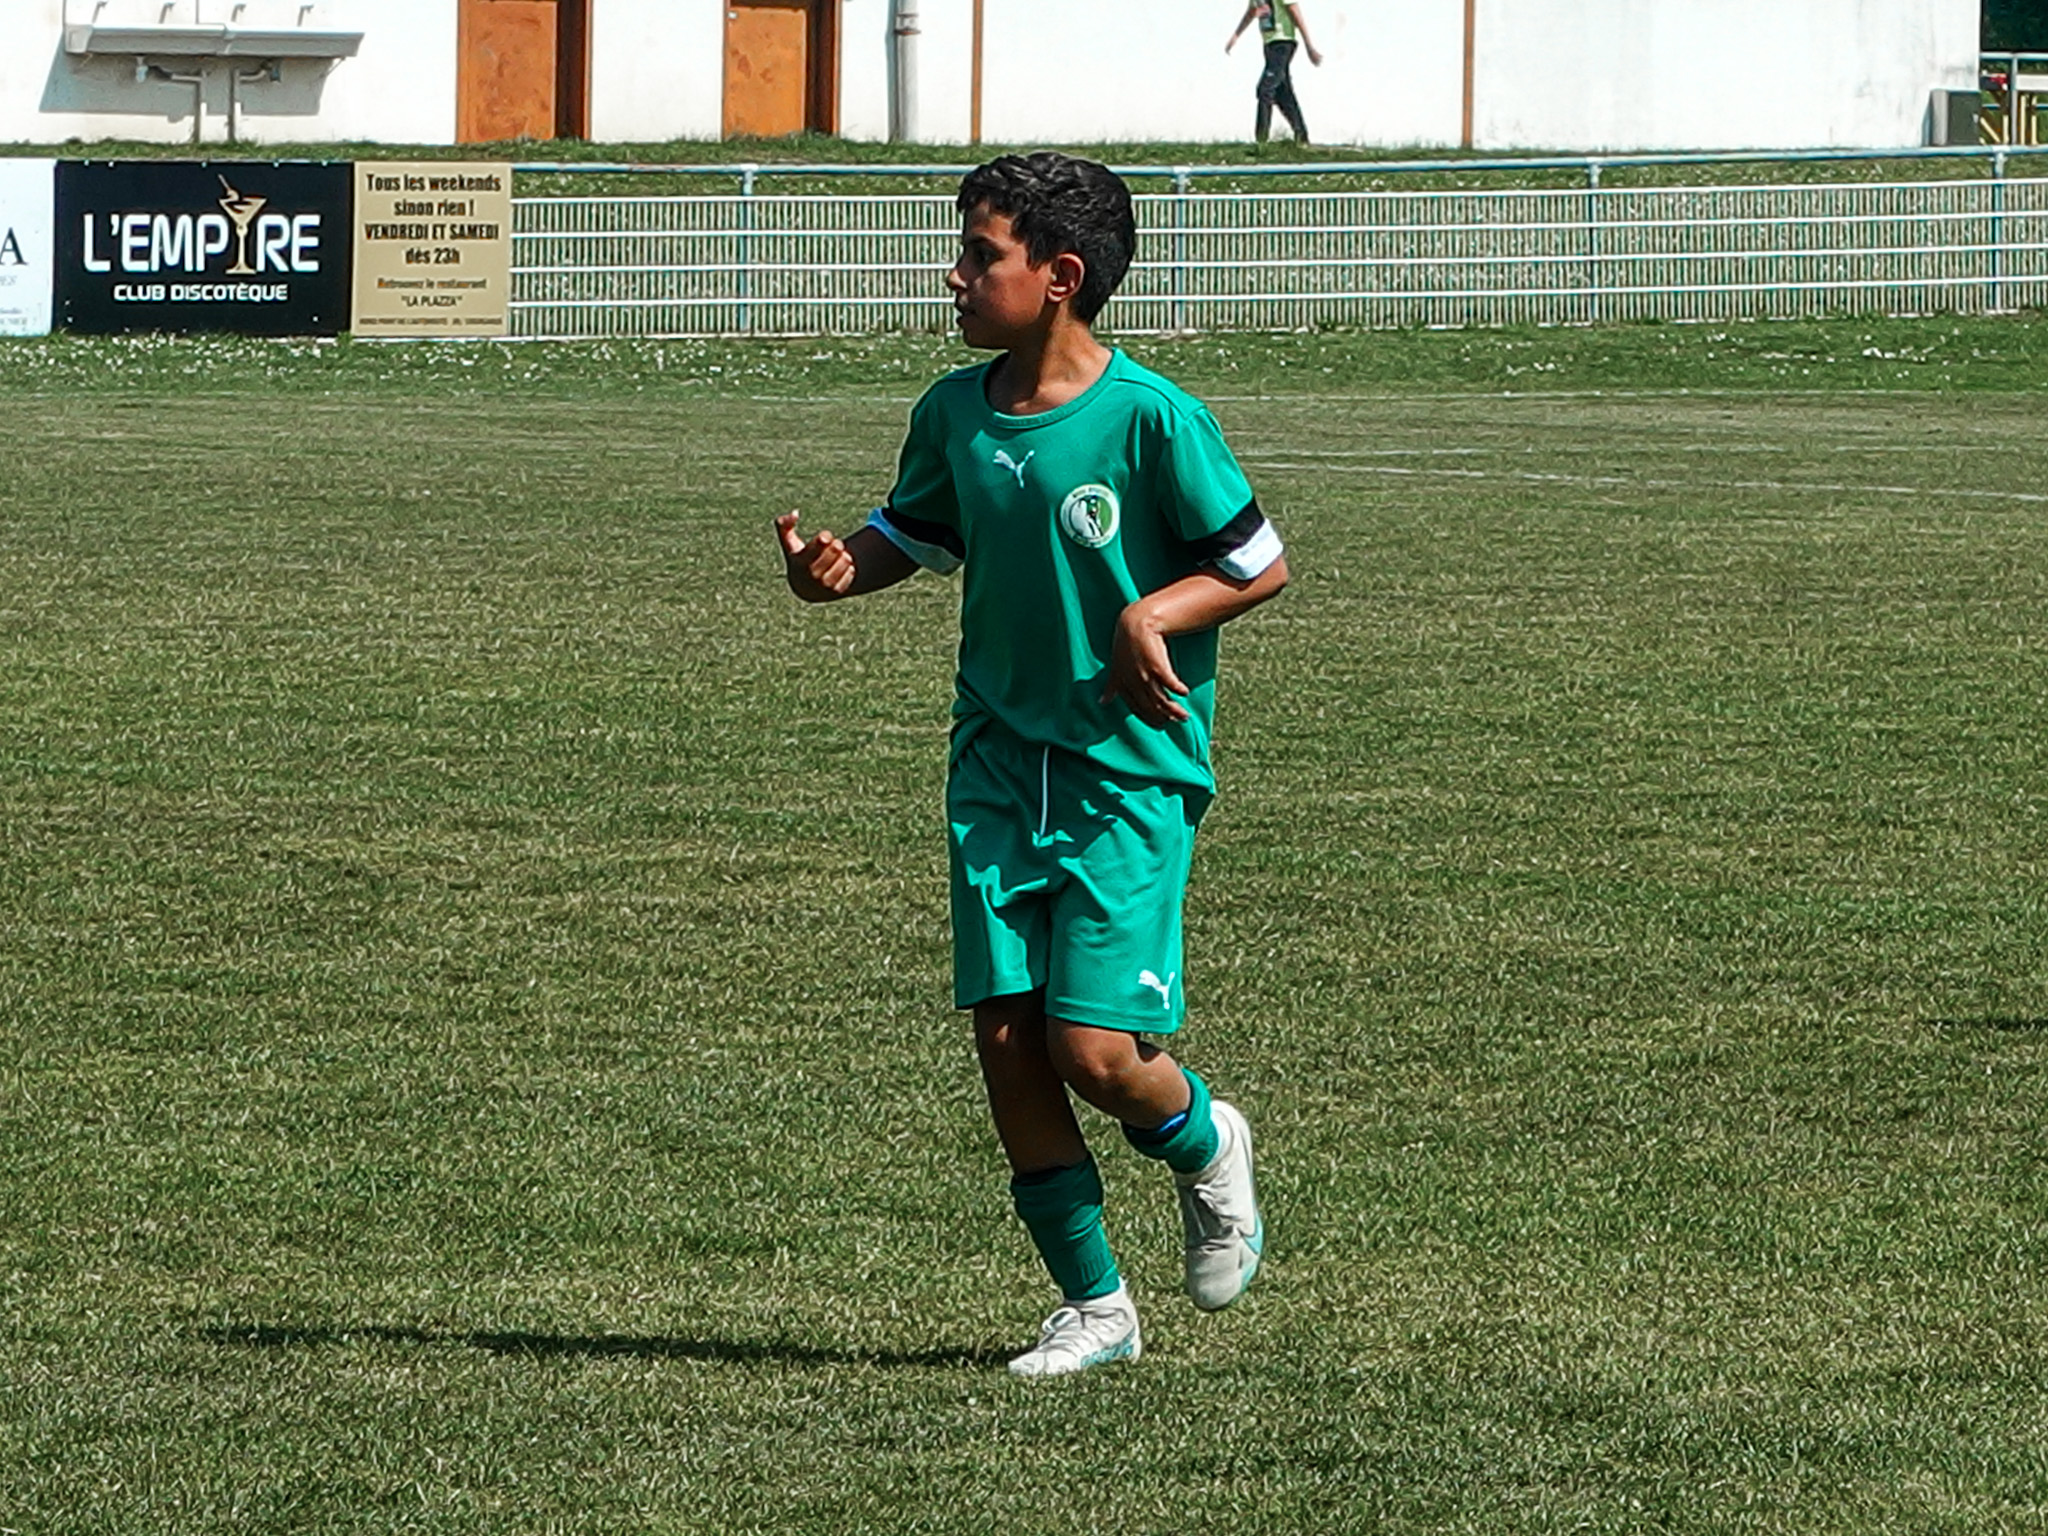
433	249
203	245
28	223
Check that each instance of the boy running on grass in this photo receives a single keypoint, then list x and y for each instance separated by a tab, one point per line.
1103	532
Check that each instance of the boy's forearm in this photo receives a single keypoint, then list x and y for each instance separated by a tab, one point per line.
878	563
828	569
1204	600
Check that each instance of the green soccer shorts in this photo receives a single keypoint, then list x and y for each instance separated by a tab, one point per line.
1069	878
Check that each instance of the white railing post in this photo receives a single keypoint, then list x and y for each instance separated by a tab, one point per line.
1998	228
748	172
1592	239
1181	182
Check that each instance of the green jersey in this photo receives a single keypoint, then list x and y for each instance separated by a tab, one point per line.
1276	23
1058	522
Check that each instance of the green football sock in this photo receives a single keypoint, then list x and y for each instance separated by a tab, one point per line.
1062	1210
1188	1142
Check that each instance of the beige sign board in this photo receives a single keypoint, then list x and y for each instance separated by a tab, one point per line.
433	249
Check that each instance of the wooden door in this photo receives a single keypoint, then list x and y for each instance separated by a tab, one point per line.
520	69
767	67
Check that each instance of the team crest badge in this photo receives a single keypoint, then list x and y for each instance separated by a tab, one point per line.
1089	515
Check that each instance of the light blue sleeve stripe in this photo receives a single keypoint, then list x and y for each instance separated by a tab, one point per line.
931	556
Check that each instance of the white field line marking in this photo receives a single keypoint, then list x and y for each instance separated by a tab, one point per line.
1259	455
1552	478
853	394
1364	453
1819	392
1323	455
1446	453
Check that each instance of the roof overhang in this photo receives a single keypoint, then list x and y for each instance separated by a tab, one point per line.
211	42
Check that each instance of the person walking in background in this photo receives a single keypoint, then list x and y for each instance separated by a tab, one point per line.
1280	26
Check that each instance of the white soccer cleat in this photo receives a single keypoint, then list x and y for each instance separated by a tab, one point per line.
1219	1214
1081	1334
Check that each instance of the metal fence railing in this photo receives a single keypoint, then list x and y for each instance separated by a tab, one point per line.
811	264
683	266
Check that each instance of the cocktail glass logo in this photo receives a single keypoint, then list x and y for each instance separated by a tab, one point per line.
243	211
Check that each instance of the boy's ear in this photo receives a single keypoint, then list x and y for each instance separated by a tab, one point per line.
1068	271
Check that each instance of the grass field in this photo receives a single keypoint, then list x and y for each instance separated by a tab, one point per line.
474	962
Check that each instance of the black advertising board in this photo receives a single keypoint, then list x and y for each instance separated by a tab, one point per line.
204	245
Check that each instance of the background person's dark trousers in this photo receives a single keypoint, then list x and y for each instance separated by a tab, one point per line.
1277	86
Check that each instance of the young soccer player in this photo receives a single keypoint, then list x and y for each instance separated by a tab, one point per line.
1102	531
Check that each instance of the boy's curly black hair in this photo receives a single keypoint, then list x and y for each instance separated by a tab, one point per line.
1058	203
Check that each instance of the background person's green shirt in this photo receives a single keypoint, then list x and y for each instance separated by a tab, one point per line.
1058	522
1277	25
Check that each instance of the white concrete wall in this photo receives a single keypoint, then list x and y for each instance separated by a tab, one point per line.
1574	75
657	70
864	68
1072	71
400	88
1734	74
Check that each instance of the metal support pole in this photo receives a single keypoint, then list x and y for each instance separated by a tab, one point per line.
236	80
974	84
1471	49
904	31
1592	239
1180	247
1998	231
198	83
748	172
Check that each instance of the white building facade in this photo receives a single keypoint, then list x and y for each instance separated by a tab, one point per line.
1565	75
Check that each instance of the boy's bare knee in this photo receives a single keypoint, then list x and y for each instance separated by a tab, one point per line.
1095	1063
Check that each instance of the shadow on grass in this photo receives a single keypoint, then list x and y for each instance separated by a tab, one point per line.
2004	1024
543	1346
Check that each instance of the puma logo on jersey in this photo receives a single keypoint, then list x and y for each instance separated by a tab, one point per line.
1014	466
1163	988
